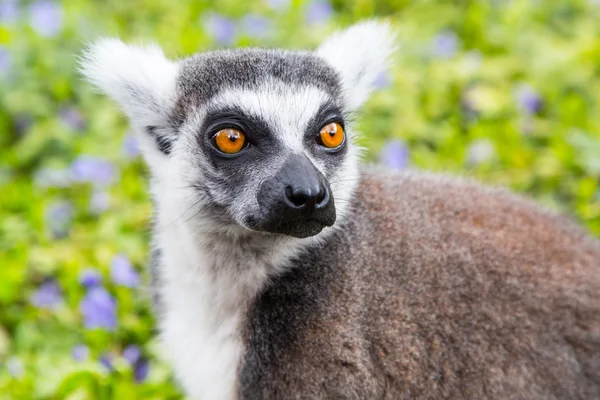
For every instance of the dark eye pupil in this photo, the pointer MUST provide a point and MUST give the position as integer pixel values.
(232, 138)
(332, 133)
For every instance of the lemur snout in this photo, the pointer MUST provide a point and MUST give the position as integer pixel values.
(296, 201)
(307, 195)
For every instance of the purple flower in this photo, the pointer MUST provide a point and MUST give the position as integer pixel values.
(15, 367)
(445, 44)
(99, 202)
(122, 272)
(141, 370)
(5, 61)
(47, 296)
(131, 147)
(382, 80)
(257, 26)
(318, 12)
(480, 151)
(9, 11)
(52, 177)
(99, 309)
(528, 99)
(46, 17)
(93, 170)
(59, 216)
(278, 5)
(132, 354)
(106, 361)
(90, 277)
(80, 352)
(395, 155)
(222, 29)
(72, 118)
(23, 123)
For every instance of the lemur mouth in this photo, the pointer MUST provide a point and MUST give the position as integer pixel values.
(299, 228)
(302, 229)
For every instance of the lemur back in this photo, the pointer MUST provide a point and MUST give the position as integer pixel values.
(282, 270)
(435, 289)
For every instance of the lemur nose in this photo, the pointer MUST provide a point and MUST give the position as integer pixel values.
(306, 197)
(296, 200)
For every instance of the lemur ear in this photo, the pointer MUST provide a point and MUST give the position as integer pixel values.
(360, 54)
(142, 80)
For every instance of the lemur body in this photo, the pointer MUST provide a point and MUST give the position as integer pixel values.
(464, 294)
(282, 270)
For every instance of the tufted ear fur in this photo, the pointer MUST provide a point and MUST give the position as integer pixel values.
(360, 54)
(142, 81)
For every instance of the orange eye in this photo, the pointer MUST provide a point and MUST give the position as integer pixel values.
(230, 141)
(332, 135)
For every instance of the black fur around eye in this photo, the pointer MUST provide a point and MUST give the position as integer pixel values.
(255, 129)
(327, 129)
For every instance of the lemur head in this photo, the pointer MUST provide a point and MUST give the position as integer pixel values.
(254, 139)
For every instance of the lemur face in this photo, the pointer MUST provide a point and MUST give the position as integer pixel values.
(267, 136)
(256, 140)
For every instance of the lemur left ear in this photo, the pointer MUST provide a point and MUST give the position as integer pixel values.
(142, 80)
(360, 54)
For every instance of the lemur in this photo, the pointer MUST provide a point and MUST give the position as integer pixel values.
(282, 269)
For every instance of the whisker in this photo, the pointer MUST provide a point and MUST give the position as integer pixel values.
(182, 214)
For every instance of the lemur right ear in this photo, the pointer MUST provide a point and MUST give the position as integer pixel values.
(359, 54)
(142, 80)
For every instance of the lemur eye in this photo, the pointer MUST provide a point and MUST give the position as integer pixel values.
(230, 141)
(332, 135)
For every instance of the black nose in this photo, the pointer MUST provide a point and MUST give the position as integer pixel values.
(307, 197)
(296, 200)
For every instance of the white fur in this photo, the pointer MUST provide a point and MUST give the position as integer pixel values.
(207, 282)
(288, 118)
(198, 329)
(359, 53)
(140, 79)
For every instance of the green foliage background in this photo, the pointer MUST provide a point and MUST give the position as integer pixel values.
(445, 109)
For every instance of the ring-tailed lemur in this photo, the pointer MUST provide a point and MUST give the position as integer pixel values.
(284, 271)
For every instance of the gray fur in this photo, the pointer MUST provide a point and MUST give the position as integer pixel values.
(206, 74)
(434, 289)
(154, 265)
